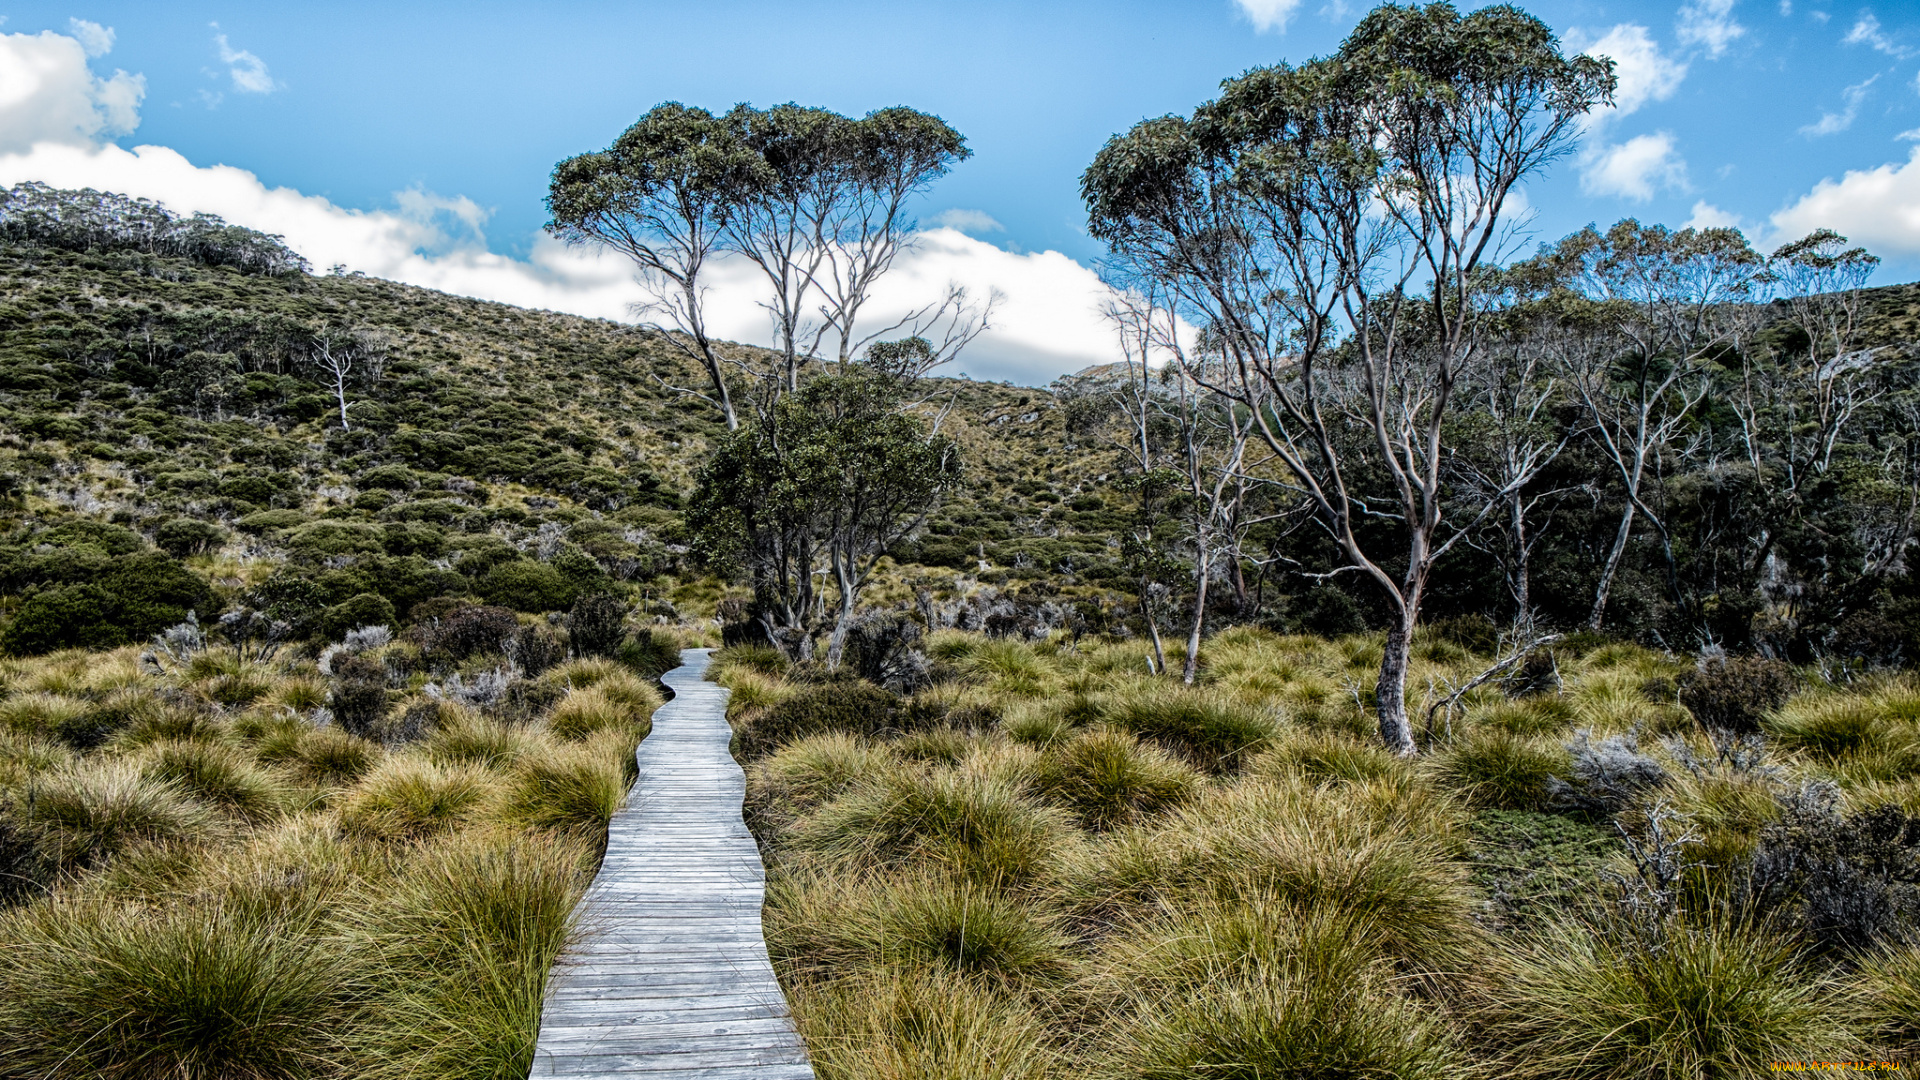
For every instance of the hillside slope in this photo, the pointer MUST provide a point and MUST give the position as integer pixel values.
(151, 401)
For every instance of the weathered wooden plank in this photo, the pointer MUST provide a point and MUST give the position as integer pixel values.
(669, 977)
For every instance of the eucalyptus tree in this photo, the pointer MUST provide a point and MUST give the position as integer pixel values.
(343, 358)
(1327, 224)
(663, 195)
(826, 219)
(1651, 309)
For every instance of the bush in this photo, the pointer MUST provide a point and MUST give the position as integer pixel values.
(1846, 882)
(465, 631)
(361, 609)
(597, 624)
(1582, 1002)
(1605, 777)
(1108, 779)
(1735, 694)
(846, 706)
(181, 537)
(358, 698)
(139, 596)
(175, 991)
(525, 585)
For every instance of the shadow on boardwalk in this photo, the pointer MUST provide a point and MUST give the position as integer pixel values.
(670, 978)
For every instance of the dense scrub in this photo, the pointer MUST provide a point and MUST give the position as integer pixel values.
(1050, 863)
(218, 864)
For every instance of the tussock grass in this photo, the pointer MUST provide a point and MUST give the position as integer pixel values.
(1211, 730)
(80, 817)
(832, 926)
(459, 947)
(569, 787)
(224, 776)
(1107, 778)
(929, 1025)
(408, 798)
(1710, 1000)
(129, 992)
(1497, 768)
(583, 714)
(974, 826)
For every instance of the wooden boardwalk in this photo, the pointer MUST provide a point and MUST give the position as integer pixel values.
(670, 979)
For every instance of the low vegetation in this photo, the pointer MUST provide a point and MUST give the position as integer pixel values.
(1048, 862)
(205, 874)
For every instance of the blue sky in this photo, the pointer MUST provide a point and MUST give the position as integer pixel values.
(439, 123)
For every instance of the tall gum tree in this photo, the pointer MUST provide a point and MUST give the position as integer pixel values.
(1328, 225)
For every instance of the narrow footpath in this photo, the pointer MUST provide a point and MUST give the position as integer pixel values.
(670, 978)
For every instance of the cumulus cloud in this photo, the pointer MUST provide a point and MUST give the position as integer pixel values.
(48, 94)
(1708, 216)
(1644, 72)
(53, 113)
(1878, 208)
(1708, 24)
(1867, 32)
(97, 40)
(248, 72)
(971, 222)
(1268, 14)
(1635, 169)
(1831, 123)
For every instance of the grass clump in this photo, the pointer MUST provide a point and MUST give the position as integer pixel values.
(408, 798)
(1496, 768)
(184, 991)
(572, 787)
(84, 815)
(923, 1025)
(1107, 778)
(225, 776)
(978, 827)
(1592, 1001)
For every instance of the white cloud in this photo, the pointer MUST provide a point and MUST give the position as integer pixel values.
(1878, 208)
(53, 111)
(1867, 32)
(1644, 72)
(1708, 216)
(47, 93)
(97, 40)
(1634, 169)
(971, 222)
(1910, 135)
(249, 72)
(1268, 14)
(1708, 24)
(1832, 123)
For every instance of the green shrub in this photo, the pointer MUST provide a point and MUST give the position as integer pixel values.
(1711, 1001)
(846, 706)
(139, 596)
(525, 585)
(361, 609)
(1736, 694)
(1108, 779)
(181, 537)
(173, 991)
(597, 624)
